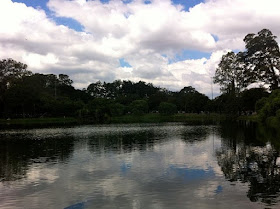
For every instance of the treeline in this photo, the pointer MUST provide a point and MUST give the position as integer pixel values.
(25, 94)
(28, 95)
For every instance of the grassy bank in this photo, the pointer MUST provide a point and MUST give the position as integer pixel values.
(147, 118)
(22, 122)
(158, 118)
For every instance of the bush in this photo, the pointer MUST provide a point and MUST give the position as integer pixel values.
(269, 107)
(117, 109)
(139, 107)
(166, 108)
(260, 104)
(278, 114)
(251, 96)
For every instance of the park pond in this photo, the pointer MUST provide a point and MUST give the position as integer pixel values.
(170, 165)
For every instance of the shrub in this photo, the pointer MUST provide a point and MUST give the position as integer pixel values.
(166, 108)
(139, 107)
(269, 107)
(117, 109)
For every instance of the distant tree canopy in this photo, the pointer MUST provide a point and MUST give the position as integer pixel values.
(190, 100)
(25, 94)
(10, 72)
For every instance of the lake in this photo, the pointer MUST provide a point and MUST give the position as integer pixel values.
(171, 165)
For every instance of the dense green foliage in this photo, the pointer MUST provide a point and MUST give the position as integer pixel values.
(139, 107)
(269, 107)
(166, 108)
(36, 95)
(190, 100)
(249, 97)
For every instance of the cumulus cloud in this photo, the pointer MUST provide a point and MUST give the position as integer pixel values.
(147, 36)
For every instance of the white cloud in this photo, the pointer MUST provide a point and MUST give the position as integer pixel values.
(37, 60)
(140, 33)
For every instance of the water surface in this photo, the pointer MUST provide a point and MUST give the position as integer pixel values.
(139, 166)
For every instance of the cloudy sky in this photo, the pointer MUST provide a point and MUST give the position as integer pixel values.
(170, 43)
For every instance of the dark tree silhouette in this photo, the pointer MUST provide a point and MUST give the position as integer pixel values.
(262, 58)
(230, 73)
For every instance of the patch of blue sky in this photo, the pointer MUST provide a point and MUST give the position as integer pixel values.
(124, 63)
(35, 4)
(42, 4)
(187, 3)
(69, 22)
(216, 38)
(105, 1)
(236, 50)
(127, 1)
(189, 54)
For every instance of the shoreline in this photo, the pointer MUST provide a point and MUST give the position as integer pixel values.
(146, 118)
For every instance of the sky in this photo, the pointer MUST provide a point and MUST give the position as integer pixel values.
(170, 43)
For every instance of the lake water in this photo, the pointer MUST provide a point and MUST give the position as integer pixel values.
(171, 165)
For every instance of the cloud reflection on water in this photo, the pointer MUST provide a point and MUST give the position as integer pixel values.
(127, 166)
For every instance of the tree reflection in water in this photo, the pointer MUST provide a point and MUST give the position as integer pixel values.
(125, 142)
(18, 153)
(193, 134)
(255, 163)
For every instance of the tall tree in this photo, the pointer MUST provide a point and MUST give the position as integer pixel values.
(230, 73)
(262, 58)
(64, 80)
(10, 72)
(97, 90)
